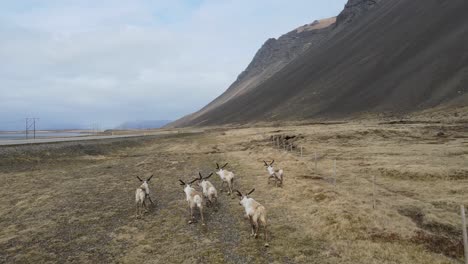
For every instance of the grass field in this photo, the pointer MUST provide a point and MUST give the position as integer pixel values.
(76, 204)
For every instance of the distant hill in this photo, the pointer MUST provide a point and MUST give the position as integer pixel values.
(143, 124)
(376, 56)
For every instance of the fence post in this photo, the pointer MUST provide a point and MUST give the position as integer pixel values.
(465, 240)
(316, 161)
(373, 191)
(334, 172)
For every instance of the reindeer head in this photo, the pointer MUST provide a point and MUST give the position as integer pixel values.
(202, 179)
(219, 169)
(269, 166)
(144, 183)
(244, 198)
(187, 185)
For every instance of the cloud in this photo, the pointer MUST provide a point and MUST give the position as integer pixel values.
(113, 61)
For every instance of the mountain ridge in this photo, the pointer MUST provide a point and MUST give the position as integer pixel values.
(384, 60)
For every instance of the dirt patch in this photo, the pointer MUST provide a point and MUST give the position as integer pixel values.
(437, 237)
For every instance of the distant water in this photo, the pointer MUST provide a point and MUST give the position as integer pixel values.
(40, 135)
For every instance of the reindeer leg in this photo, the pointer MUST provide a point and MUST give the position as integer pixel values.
(252, 226)
(270, 178)
(230, 184)
(149, 198)
(266, 238)
(229, 188)
(191, 216)
(136, 211)
(257, 225)
(191, 213)
(201, 214)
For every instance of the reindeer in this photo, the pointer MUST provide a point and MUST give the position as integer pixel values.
(194, 199)
(255, 212)
(209, 191)
(276, 175)
(141, 194)
(226, 176)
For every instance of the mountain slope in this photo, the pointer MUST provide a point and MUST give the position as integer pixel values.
(269, 59)
(143, 124)
(388, 55)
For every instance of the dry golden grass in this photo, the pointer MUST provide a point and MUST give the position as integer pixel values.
(79, 208)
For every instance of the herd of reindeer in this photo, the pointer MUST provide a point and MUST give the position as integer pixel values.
(254, 211)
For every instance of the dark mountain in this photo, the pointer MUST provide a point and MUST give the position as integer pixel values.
(396, 56)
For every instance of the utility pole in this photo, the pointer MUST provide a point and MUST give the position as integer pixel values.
(26, 128)
(29, 125)
(34, 124)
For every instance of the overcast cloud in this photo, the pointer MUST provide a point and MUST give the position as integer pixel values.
(110, 61)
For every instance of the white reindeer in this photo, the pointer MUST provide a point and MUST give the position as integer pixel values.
(226, 176)
(141, 194)
(276, 175)
(194, 199)
(209, 191)
(256, 214)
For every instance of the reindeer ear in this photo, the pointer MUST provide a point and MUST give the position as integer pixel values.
(150, 177)
(139, 178)
(182, 182)
(224, 166)
(208, 176)
(251, 191)
(239, 193)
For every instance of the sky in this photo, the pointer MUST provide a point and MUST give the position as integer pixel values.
(74, 63)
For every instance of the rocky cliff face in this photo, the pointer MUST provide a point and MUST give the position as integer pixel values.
(269, 59)
(288, 47)
(355, 8)
(378, 56)
(275, 54)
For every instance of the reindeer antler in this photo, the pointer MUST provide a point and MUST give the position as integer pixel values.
(266, 164)
(217, 166)
(208, 176)
(150, 177)
(251, 191)
(239, 193)
(196, 179)
(272, 162)
(224, 166)
(182, 182)
(139, 178)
